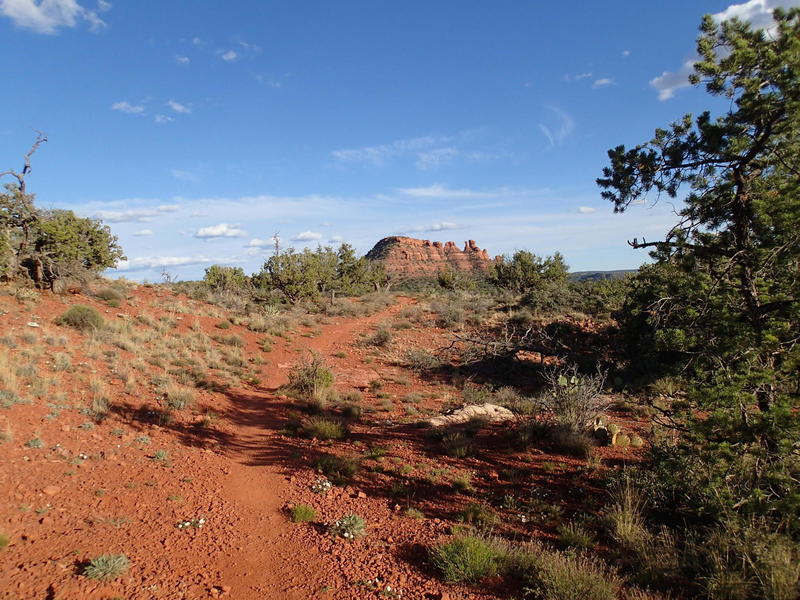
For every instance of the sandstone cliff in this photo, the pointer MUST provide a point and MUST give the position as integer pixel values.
(410, 257)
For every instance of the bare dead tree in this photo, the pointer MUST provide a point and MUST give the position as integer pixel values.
(41, 138)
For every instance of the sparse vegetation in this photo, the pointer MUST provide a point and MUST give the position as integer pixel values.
(82, 318)
(302, 513)
(106, 566)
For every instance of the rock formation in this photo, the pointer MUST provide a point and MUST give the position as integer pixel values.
(410, 257)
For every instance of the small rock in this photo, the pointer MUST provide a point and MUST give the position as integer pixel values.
(361, 495)
(51, 490)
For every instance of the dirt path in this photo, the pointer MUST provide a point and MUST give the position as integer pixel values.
(271, 561)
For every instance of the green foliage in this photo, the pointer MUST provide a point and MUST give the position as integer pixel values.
(311, 273)
(310, 378)
(541, 280)
(106, 566)
(82, 318)
(66, 245)
(721, 303)
(324, 429)
(455, 279)
(340, 470)
(466, 559)
(348, 527)
(302, 513)
(228, 279)
(5, 541)
(574, 535)
(552, 575)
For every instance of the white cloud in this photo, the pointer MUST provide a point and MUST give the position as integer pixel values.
(578, 77)
(250, 47)
(565, 126)
(263, 244)
(127, 107)
(47, 16)
(163, 119)
(443, 226)
(603, 82)
(223, 230)
(437, 191)
(668, 83)
(336, 239)
(155, 262)
(586, 210)
(229, 56)
(626, 53)
(197, 41)
(182, 60)
(427, 152)
(757, 12)
(136, 215)
(143, 232)
(178, 107)
(307, 236)
(184, 175)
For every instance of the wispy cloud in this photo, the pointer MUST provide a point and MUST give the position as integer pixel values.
(578, 77)
(443, 226)
(223, 230)
(586, 210)
(626, 53)
(178, 107)
(182, 60)
(307, 236)
(428, 152)
(161, 119)
(156, 262)
(756, 12)
(136, 215)
(558, 132)
(229, 56)
(127, 107)
(48, 16)
(184, 175)
(437, 191)
(143, 233)
(262, 244)
(604, 81)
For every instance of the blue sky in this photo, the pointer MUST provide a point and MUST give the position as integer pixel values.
(199, 129)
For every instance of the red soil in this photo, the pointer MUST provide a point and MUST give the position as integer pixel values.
(97, 490)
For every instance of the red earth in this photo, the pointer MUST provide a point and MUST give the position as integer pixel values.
(76, 487)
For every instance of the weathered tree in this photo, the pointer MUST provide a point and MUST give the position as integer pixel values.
(46, 246)
(721, 303)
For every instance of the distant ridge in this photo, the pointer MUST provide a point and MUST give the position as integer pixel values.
(601, 275)
(407, 257)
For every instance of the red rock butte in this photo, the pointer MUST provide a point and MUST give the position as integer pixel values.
(409, 257)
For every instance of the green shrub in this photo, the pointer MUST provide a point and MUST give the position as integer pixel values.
(574, 535)
(34, 443)
(310, 378)
(349, 527)
(382, 337)
(178, 397)
(478, 514)
(340, 470)
(553, 575)
(302, 513)
(414, 513)
(106, 566)
(82, 318)
(466, 559)
(422, 360)
(109, 295)
(324, 429)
